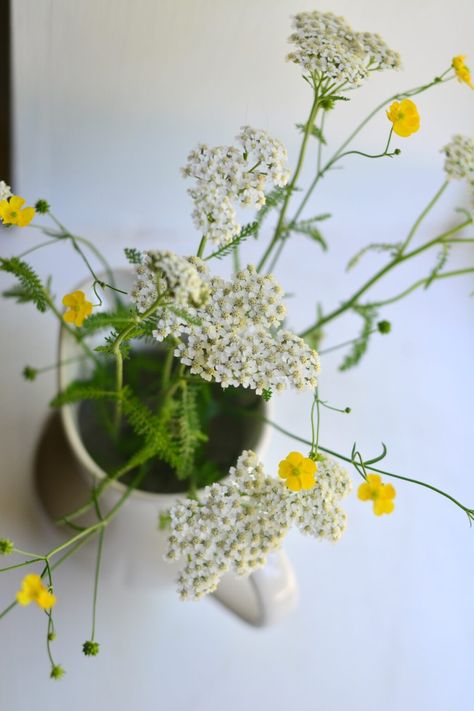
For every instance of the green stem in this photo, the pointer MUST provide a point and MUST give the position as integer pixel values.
(291, 186)
(104, 522)
(466, 510)
(388, 267)
(96, 580)
(202, 246)
(395, 97)
(422, 282)
(138, 318)
(342, 345)
(20, 565)
(422, 216)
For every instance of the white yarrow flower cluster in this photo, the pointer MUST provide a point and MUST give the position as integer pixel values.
(241, 520)
(231, 338)
(5, 191)
(459, 162)
(165, 272)
(326, 45)
(226, 177)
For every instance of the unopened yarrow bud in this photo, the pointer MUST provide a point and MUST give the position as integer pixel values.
(90, 648)
(384, 327)
(404, 117)
(298, 471)
(51, 636)
(6, 546)
(462, 72)
(12, 212)
(382, 495)
(57, 672)
(78, 308)
(29, 373)
(34, 590)
(42, 206)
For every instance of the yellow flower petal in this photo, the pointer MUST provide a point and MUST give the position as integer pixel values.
(284, 469)
(388, 492)
(295, 458)
(307, 480)
(45, 599)
(294, 483)
(383, 506)
(25, 216)
(16, 202)
(69, 316)
(374, 481)
(23, 598)
(308, 466)
(364, 492)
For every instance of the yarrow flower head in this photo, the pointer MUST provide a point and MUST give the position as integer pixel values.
(327, 46)
(12, 211)
(462, 72)
(78, 308)
(5, 191)
(239, 521)
(34, 590)
(459, 162)
(163, 272)
(380, 494)
(298, 471)
(226, 177)
(404, 117)
(230, 339)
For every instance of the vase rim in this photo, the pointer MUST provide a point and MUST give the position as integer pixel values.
(72, 432)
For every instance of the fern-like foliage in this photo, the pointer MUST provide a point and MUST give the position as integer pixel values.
(274, 198)
(29, 288)
(392, 247)
(106, 319)
(134, 256)
(247, 231)
(308, 228)
(80, 390)
(359, 348)
(313, 131)
(188, 434)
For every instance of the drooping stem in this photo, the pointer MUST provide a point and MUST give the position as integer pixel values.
(349, 460)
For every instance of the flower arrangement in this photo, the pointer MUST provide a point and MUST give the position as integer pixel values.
(222, 346)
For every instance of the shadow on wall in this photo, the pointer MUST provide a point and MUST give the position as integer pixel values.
(5, 103)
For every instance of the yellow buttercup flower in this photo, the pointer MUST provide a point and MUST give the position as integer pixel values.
(12, 212)
(462, 72)
(298, 471)
(34, 590)
(79, 308)
(381, 494)
(404, 117)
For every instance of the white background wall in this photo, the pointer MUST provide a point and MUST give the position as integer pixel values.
(109, 98)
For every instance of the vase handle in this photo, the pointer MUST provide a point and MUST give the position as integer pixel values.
(265, 596)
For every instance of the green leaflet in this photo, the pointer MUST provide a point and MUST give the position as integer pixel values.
(30, 287)
(369, 315)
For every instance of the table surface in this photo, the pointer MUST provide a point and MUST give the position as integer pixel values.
(385, 619)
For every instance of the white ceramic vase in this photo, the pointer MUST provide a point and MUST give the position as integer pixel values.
(138, 545)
